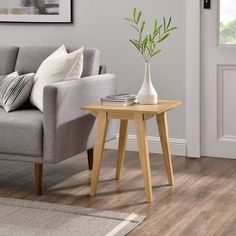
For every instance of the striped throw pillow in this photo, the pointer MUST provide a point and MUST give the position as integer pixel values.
(15, 90)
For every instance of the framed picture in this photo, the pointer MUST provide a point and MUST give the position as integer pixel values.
(36, 11)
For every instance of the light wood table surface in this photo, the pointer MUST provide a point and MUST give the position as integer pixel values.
(139, 114)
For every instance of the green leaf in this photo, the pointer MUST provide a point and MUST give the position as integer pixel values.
(155, 34)
(145, 41)
(135, 44)
(156, 52)
(153, 44)
(171, 29)
(164, 37)
(157, 31)
(150, 43)
(129, 20)
(136, 41)
(142, 27)
(139, 17)
(150, 40)
(155, 26)
(149, 51)
(164, 22)
(169, 22)
(133, 26)
(135, 14)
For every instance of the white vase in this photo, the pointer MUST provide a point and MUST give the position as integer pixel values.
(147, 94)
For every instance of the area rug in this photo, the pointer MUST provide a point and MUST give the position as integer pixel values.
(28, 218)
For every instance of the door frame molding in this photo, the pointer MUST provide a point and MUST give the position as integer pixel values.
(193, 75)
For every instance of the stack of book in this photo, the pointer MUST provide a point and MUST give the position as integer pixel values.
(123, 99)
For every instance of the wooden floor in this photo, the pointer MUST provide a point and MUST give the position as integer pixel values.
(202, 202)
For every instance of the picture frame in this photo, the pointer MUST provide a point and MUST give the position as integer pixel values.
(36, 11)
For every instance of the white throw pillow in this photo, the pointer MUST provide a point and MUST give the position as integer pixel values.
(57, 67)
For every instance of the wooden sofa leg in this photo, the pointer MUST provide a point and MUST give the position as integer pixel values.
(90, 158)
(38, 169)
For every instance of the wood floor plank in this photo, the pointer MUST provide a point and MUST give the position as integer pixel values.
(202, 202)
(229, 226)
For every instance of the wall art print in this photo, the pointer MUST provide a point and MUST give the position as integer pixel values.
(36, 11)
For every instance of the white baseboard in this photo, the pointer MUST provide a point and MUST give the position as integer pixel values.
(178, 146)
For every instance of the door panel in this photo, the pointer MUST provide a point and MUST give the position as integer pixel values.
(226, 95)
(218, 80)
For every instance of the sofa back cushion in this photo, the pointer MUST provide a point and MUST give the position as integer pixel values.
(30, 58)
(8, 57)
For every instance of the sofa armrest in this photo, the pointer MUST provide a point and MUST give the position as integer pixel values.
(66, 126)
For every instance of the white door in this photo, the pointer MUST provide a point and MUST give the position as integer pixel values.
(218, 79)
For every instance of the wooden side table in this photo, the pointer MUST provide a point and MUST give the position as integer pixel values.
(138, 113)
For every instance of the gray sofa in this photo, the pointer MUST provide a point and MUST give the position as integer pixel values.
(62, 130)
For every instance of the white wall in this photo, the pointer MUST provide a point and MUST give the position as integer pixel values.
(100, 24)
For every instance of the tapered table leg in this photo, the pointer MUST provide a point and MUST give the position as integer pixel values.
(122, 146)
(144, 153)
(38, 168)
(102, 122)
(164, 137)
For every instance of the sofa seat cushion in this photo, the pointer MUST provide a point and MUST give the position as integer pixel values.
(21, 132)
